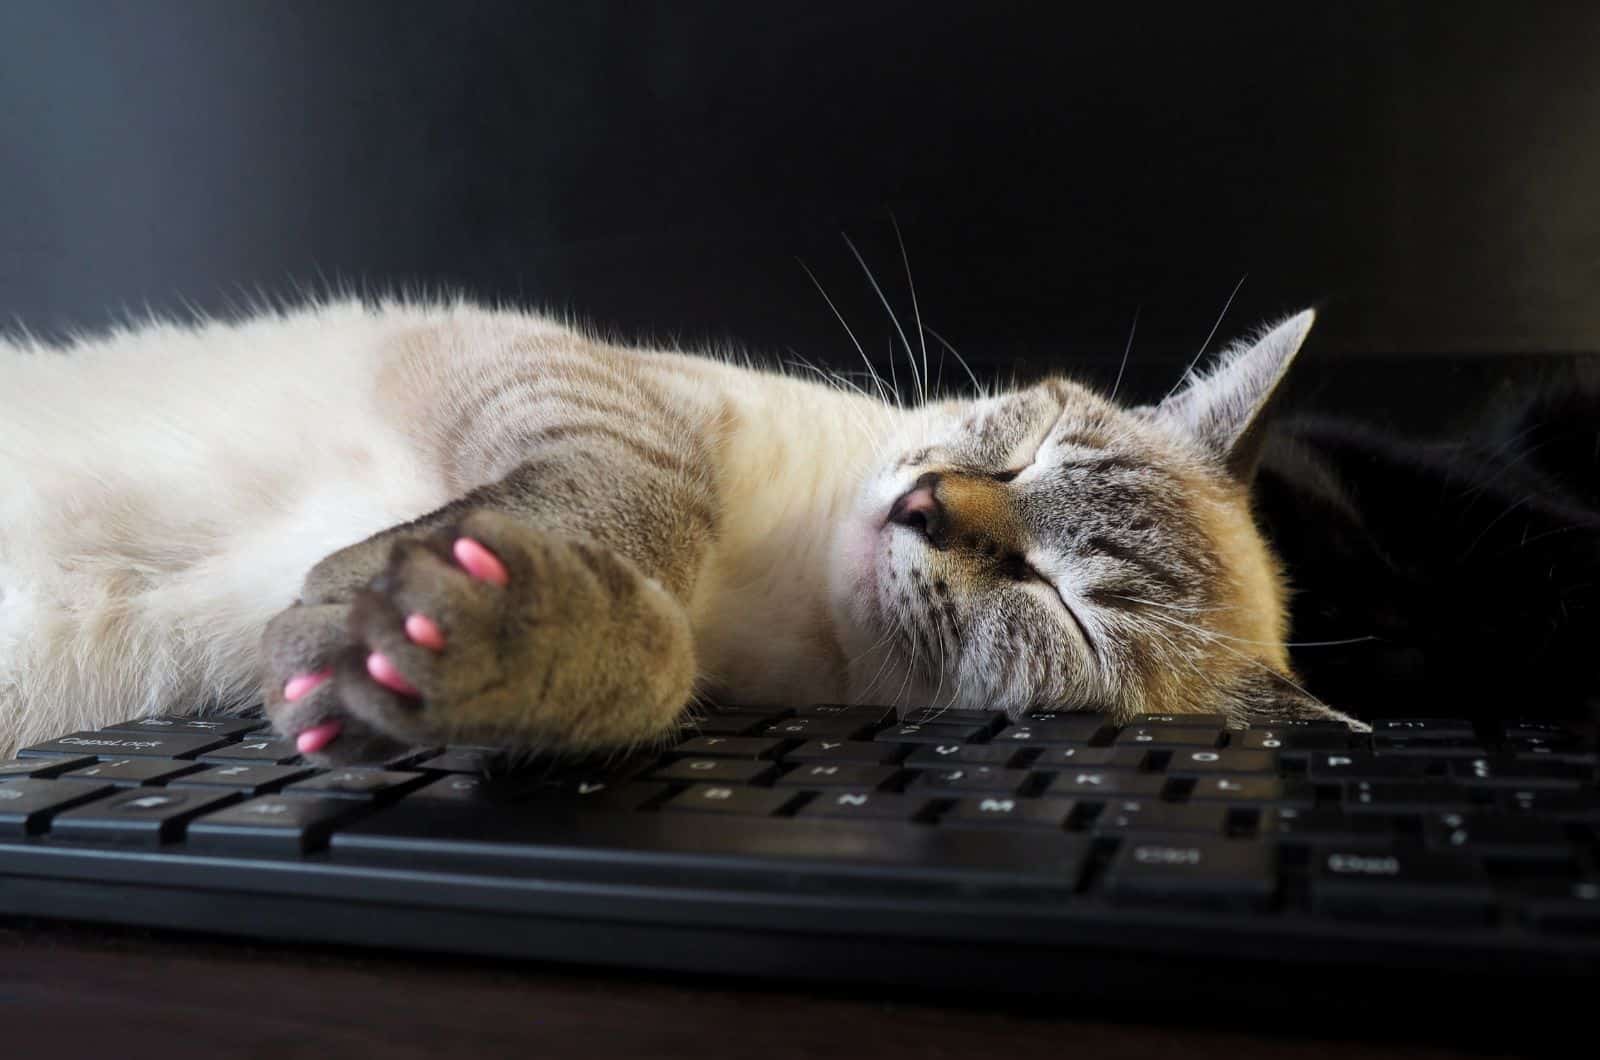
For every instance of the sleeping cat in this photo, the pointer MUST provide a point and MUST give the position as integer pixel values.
(519, 535)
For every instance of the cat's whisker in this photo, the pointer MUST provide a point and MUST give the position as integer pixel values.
(883, 641)
(876, 378)
(915, 310)
(911, 359)
(1126, 350)
(1189, 371)
(1246, 640)
(977, 387)
(1216, 641)
(832, 378)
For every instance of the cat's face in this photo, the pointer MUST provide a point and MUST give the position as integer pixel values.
(1046, 548)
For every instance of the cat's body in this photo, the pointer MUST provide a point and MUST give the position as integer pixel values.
(672, 526)
(176, 485)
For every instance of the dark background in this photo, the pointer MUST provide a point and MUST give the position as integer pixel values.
(1426, 173)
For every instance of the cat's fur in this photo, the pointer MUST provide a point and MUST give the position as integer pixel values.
(673, 527)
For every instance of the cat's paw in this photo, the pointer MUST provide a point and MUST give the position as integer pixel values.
(444, 645)
(303, 647)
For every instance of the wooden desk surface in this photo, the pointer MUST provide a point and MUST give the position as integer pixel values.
(72, 991)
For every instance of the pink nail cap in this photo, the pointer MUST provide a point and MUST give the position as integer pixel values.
(317, 737)
(301, 685)
(384, 671)
(480, 562)
(424, 632)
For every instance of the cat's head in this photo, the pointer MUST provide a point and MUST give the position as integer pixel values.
(1047, 548)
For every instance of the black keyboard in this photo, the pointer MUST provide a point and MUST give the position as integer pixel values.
(843, 842)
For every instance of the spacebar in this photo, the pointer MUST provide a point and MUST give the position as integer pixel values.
(783, 852)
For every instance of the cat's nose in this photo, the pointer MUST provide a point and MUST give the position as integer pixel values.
(921, 510)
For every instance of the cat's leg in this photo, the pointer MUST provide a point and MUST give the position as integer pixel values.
(520, 616)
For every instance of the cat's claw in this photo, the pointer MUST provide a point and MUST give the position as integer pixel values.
(383, 670)
(424, 632)
(480, 562)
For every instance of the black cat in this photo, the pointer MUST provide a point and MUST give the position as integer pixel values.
(1462, 574)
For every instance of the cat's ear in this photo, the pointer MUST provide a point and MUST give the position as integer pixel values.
(1225, 407)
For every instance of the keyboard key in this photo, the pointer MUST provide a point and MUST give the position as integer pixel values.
(458, 787)
(931, 734)
(963, 779)
(408, 758)
(1327, 768)
(269, 752)
(1089, 783)
(603, 795)
(1421, 748)
(126, 745)
(837, 775)
(1292, 824)
(946, 755)
(1182, 721)
(1308, 725)
(1067, 726)
(1577, 806)
(1424, 728)
(1220, 872)
(867, 715)
(357, 784)
(146, 816)
(191, 726)
(1564, 907)
(272, 824)
(730, 799)
(1065, 758)
(716, 770)
(864, 805)
(1251, 791)
(1297, 743)
(818, 728)
(1125, 816)
(1513, 773)
(843, 751)
(730, 747)
(1205, 763)
(934, 716)
(1534, 750)
(27, 804)
(1167, 737)
(132, 772)
(1552, 730)
(465, 760)
(1398, 883)
(1066, 729)
(1364, 795)
(513, 788)
(42, 767)
(1498, 836)
(1006, 812)
(729, 724)
(833, 856)
(247, 778)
